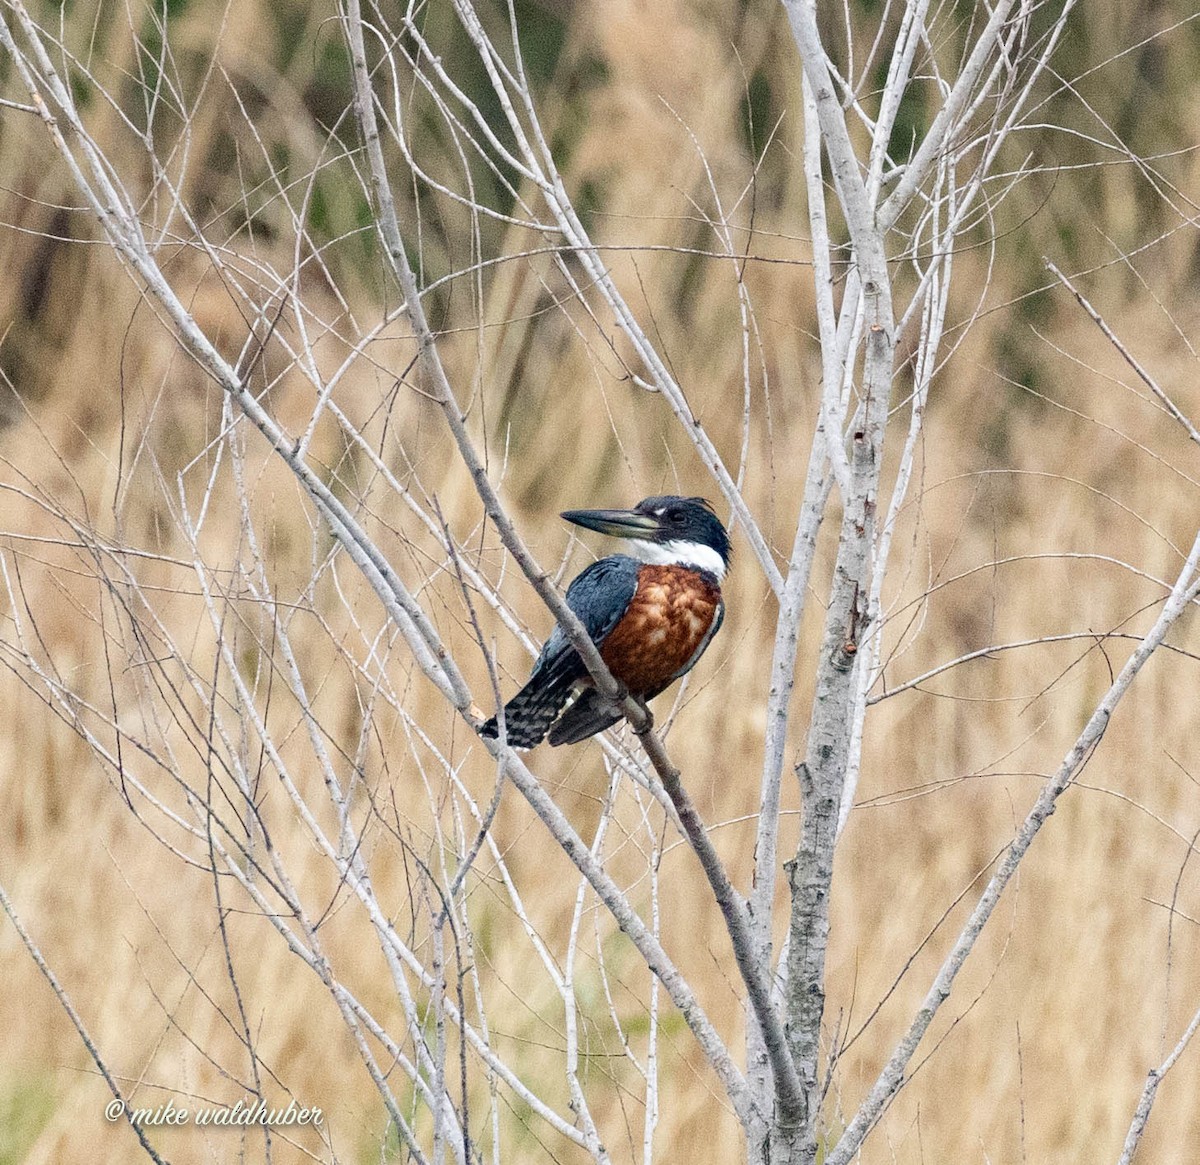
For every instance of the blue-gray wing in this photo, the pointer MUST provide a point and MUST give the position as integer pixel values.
(599, 596)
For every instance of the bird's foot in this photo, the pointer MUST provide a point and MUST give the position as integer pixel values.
(648, 724)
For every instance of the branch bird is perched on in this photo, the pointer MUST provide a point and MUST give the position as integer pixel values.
(651, 613)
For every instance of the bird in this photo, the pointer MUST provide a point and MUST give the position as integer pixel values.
(651, 612)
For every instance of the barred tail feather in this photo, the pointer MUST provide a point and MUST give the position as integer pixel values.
(529, 714)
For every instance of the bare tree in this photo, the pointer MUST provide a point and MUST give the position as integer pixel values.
(291, 659)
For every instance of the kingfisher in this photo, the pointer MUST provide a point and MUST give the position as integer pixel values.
(651, 612)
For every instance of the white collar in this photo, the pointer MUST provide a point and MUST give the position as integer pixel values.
(680, 553)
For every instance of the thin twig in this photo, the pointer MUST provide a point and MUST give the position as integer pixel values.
(119, 1103)
(1126, 355)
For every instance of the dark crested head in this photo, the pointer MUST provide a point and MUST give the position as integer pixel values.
(666, 529)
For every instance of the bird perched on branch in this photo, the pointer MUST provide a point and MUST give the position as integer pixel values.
(651, 613)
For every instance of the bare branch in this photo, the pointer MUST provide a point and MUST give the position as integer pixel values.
(1185, 590)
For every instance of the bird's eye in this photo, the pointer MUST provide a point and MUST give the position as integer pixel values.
(677, 517)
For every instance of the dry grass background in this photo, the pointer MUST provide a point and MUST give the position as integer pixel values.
(1040, 448)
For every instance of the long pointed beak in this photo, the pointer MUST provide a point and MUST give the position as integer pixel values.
(616, 523)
